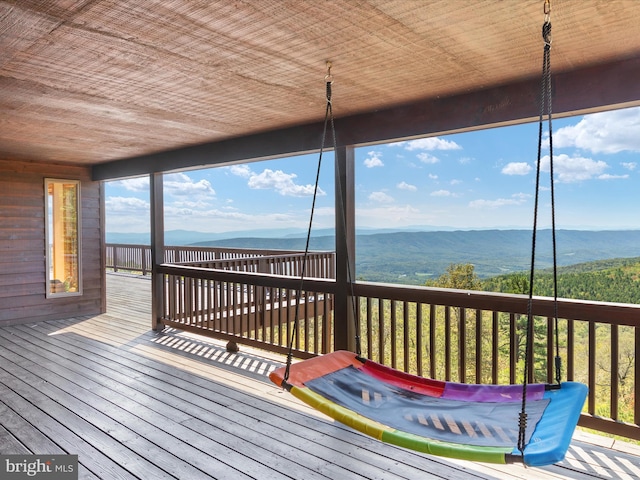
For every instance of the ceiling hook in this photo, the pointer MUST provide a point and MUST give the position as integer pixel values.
(328, 77)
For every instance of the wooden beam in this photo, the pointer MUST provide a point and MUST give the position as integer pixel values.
(586, 90)
(156, 193)
(344, 322)
(103, 257)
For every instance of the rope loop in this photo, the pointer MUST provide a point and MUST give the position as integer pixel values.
(522, 424)
(546, 33)
(328, 78)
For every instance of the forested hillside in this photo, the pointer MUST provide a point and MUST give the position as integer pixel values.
(613, 280)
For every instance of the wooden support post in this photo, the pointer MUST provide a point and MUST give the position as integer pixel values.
(157, 249)
(103, 250)
(343, 320)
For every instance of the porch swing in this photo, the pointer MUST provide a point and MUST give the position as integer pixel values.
(528, 423)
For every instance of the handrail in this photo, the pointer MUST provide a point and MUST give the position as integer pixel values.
(594, 311)
(137, 258)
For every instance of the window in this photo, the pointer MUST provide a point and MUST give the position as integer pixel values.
(63, 237)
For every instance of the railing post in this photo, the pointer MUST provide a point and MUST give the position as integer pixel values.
(343, 320)
(157, 249)
(143, 254)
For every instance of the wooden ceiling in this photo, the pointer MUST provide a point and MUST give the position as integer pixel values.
(94, 81)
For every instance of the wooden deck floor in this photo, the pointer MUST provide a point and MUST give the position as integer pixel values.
(136, 404)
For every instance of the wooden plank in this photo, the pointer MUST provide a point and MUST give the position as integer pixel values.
(26, 170)
(9, 443)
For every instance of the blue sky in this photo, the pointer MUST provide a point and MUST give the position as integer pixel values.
(481, 179)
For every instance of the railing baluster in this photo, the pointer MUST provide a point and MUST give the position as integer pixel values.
(447, 343)
(462, 348)
(419, 344)
(495, 342)
(406, 336)
(570, 351)
(479, 338)
(513, 348)
(381, 330)
(614, 372)
(369, 327)
(432, 341)
(592, 369)
(550, 350)
(392, 336)
(636, 376)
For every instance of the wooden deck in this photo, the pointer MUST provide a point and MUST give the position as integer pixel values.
(136, 404)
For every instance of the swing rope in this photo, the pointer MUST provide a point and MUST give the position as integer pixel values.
(328, 118)
(545, 106)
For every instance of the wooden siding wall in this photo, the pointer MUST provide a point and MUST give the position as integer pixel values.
(22, 244)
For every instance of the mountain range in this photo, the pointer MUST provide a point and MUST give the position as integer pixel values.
(412, 257)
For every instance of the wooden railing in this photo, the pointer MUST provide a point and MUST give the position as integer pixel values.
(137, 258)
(463, 336)
(128, 258)
(252, 308)
(455, 335)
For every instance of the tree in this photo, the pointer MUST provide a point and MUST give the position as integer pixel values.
(458, 275)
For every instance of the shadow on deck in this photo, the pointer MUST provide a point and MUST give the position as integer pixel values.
(133, 403)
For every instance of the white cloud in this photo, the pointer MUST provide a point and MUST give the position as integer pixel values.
(188, 203)
(441, 193)
(516, 199)
(277, 180)
(180, 184)
(139, 184)
(573, 169)
(241, 170)
(373, 160)
(119, 205)
(433, 176)
(380, 197)
(517, 168)
(455, 181)
(604, 132)
(282, 182)
(427, 158)
(629, 165)
(431, 143)
(607, 176)
(407, 186)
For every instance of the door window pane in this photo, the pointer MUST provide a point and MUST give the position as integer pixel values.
(63, 237)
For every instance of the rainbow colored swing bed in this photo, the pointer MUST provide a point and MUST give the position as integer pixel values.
(466, 421)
